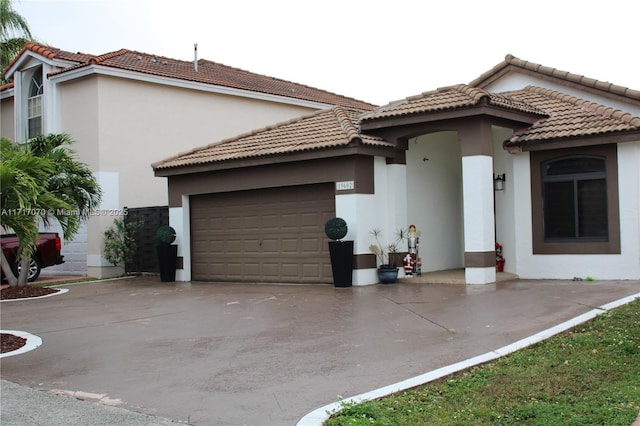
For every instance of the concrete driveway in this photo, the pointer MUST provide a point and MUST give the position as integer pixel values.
(235, 354)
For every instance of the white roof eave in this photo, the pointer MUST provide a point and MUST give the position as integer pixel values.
(186, 84)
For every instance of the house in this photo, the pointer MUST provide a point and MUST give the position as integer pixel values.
(564, 148)
(128, 109)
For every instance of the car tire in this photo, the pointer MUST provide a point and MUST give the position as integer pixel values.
(34, 269)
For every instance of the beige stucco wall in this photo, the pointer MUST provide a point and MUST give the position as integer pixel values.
(122, 126)
(7, 125)
(133, 124)
(79, 118)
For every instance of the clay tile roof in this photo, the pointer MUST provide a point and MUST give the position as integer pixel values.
(511, 62)
(568, 117)
(446, 98)
(216, 74)
(51, 53)
(329, 128)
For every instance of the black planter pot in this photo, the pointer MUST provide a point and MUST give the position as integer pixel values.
(387, 274)
(341, 253)
(167, 261)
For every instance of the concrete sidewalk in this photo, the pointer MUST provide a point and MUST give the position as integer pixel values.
(24, 406)
(233, 354)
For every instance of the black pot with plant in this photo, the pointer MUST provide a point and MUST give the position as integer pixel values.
(387, 271)
(167, 253)
(341, 252)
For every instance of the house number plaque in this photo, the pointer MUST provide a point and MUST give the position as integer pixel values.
(344, 185)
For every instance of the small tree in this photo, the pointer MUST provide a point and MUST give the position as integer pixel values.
(120, 242)
(41, 181)
(21, 196)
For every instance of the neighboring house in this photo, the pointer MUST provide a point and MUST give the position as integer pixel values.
(128, 109)
(252, 207)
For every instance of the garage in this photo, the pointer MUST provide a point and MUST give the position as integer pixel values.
(262, 235)
(252, 209)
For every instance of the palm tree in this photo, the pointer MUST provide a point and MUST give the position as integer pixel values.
(14, 33)
(72, 182)
(20, 176)
(69, 193)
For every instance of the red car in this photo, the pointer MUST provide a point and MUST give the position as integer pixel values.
(47, 253)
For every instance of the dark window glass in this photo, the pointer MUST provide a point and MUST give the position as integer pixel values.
(34, 104)
(575, 199)
(35, 88)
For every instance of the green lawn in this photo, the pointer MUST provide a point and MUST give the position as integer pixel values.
(589, 375)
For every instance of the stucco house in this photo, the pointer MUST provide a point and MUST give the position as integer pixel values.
(564, 148)
(127, 109)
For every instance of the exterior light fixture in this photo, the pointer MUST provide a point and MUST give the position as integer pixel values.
(498, 182)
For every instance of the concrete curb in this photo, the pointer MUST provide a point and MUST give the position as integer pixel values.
(33, 342)
(57, 293)
(319, 415)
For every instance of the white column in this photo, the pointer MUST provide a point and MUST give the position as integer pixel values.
(477, 190)
(179, 220)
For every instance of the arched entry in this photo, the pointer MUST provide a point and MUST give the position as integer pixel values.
(434, 198)
(471, 113)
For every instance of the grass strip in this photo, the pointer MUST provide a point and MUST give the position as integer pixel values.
(589, 375)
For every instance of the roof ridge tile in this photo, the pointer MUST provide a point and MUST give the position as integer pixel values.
(346, 123)
(511, 60)
(323, 129)
(109, 55)
(209, 73)
(593, 107)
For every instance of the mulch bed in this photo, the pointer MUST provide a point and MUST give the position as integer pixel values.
(24, 292)
(10, 342)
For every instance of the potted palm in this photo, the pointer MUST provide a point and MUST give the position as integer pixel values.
(341, 252)
(167, 253)
(387, 272)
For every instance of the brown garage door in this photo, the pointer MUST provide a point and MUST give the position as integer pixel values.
(266, 235)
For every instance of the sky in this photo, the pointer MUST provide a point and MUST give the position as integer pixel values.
(372, 50)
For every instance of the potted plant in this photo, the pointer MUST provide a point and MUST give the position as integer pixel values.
(499, 258)
(387, 272)
(167, 253)
(341, 252)
(396, 255)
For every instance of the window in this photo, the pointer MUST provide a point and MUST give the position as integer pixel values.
(575, 200)
(34, 104)
(574, 197)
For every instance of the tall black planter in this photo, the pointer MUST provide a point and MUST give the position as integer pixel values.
(167, 260)
(341, 253)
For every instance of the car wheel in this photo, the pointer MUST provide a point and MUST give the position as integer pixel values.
(34, 269)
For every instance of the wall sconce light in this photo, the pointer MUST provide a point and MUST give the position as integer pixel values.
(498, 182)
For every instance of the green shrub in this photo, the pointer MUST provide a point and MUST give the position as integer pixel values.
(336, 228)
(119, 242)
(165, 234)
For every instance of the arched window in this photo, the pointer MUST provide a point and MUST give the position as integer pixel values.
(574, 191)
(34, 104)
(574, 200)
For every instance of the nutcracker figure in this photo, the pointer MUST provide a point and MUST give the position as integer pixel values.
(413, 238)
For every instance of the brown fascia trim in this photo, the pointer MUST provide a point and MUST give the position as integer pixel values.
(574, 142)
(388, 152)
(398, 133)
(480, 259)
(509, 117)
(357, 168)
